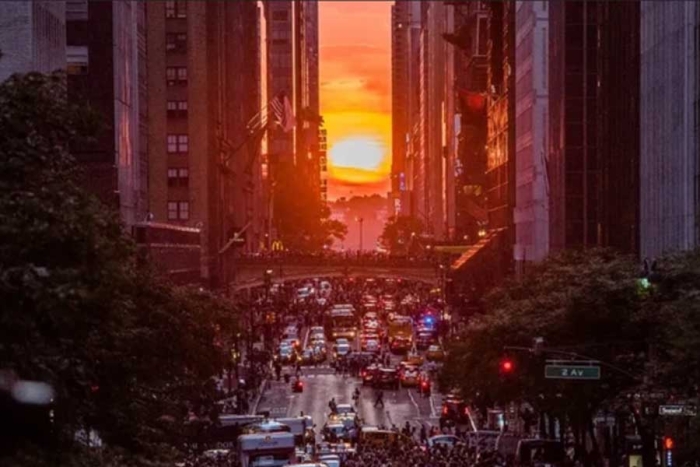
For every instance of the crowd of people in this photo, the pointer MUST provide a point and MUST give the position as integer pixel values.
(418, 455)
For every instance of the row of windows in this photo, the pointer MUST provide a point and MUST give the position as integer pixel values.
(176, 42)
(175, 9)
(178, 210)
(178, 144)
(176, 75)
(178, 177)
(177, 109)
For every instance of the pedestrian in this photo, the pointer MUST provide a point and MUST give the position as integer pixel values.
(380, 399)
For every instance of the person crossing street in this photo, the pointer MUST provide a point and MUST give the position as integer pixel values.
(379, 399)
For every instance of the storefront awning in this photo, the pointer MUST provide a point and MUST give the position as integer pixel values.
(476, 248)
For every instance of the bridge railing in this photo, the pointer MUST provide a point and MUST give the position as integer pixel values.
(338, 260)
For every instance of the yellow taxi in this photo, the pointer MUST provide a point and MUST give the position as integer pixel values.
(435, 353)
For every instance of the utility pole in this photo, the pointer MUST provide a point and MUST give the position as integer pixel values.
(361, 221)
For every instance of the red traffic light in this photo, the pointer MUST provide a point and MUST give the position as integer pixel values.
(507, 366)
(668, 443)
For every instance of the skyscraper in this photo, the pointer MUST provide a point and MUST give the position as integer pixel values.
(531, 214)
(204, 87)
(669, 165)
(400, 95)
(106, 62)
(32, 36)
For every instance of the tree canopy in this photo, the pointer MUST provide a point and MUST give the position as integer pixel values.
(128, 355)
(401, 233)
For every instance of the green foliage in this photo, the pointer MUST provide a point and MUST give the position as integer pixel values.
(400, 234)
(580, 302)
(127, 354)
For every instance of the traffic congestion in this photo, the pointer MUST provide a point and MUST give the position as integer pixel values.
(352, 381)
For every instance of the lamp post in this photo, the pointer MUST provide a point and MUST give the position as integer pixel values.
(361, 221)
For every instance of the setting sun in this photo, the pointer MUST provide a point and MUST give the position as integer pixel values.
(359, 153)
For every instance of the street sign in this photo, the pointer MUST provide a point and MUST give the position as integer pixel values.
(682, 410)
(572, 372)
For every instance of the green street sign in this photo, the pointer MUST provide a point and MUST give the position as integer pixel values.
(571, 372)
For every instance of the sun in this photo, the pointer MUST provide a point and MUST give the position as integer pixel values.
(358, 152)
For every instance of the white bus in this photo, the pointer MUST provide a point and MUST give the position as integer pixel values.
(266, 449)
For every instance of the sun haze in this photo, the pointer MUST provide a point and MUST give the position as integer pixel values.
(355, 49)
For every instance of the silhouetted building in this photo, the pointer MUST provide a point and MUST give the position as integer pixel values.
(106, 63)
(204, 87)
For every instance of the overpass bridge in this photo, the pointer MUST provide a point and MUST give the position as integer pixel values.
(250, 271)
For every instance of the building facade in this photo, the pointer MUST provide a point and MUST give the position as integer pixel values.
(106, 63)
(670, 115)
(531, 214)
(204, 83)
(400, 95)
(32, 37)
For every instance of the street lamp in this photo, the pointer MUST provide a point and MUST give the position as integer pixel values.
(361, 221)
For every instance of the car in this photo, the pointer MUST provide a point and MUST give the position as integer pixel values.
(400, 345)
(287, 354)
(341, 350)
(424, 385)
(410, 376)
(369, 374)
(330, 460)
(308, 356)
(414, 359)
(342, 340)
(443, 440)
(345, 409)
(317, 330)
(424, 340)
(337, 431)
(298, 386)
(435, 353)
(372, 345)
(387, 378)
(454, 411)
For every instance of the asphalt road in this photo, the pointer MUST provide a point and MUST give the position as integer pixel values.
(321, 384)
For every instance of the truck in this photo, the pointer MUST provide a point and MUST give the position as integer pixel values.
(267, 449)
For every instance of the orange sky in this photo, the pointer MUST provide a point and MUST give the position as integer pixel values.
(355, 68)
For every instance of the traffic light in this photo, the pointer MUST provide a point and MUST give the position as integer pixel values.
(507, 366)
(668, 443)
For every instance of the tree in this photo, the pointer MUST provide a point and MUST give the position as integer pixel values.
(127, 354)
(400, 235)
(579, 301)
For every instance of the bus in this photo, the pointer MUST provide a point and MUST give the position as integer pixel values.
(267, 449)
(401, 327)
(203, 435)
(343, 323)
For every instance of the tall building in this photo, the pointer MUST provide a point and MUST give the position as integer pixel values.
(669, 114)
(471, 37)
(594, 125)
(400, 85)
(411, 197)
(204, 87)
(574, 169)
(106, 63)
(32, 37)
(531, 215)
(295, 156)
(500, 153)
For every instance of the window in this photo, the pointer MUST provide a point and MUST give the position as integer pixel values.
(176, 75)
(183, 143)
(178, 177)
(176, 42)
(77, 10)
(77, 59)
(178, 210)
(172, 143)
(178, 143)
(172, 210)
(175, 9)
(177, 109)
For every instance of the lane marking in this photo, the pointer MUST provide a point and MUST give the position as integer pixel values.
(413, 400)
(433, 412)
